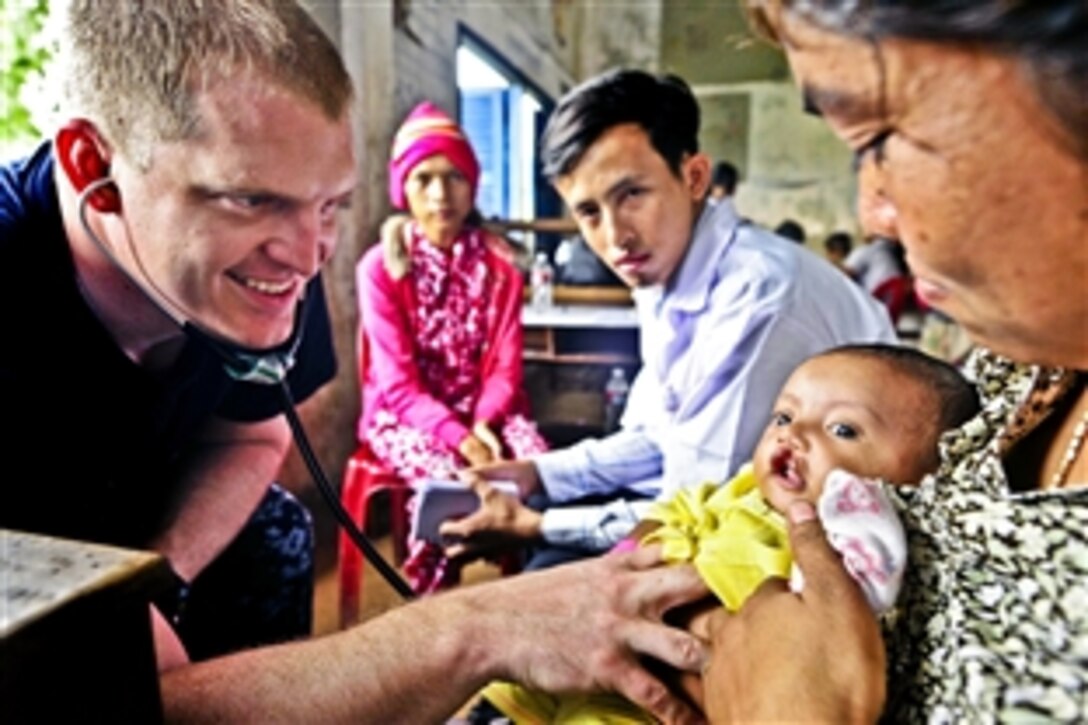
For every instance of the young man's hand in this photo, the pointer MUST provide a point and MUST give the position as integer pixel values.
(500, 521)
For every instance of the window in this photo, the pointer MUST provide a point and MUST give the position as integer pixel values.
(503, 118)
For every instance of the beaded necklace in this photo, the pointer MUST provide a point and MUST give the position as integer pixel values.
(1072, 450)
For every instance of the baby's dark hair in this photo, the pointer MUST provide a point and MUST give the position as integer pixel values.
(957, 401)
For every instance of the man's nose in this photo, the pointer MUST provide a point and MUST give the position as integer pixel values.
(313, 240)
(617, 234)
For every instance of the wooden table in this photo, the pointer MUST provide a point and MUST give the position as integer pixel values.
(580, 334)
(75, 631)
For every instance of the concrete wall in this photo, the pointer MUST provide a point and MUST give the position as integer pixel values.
(794, 167)
(791, 166)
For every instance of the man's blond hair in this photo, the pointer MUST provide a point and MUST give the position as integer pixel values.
(135, 67)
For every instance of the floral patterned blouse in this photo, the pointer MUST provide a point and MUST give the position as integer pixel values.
(992, 624)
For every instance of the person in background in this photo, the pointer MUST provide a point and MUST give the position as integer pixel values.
(875, 262)
(723, 183)
(792, 230)
(440, 311)
(836, 247)
(182, 214)
(969, 125)
(726, 311)
(844, 416)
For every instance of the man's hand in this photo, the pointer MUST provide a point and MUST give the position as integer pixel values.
(816, 655)
(587, 626)
(474, 450)
(500, 520)
(521, 472)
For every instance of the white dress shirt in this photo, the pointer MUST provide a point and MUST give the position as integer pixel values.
(717, 343)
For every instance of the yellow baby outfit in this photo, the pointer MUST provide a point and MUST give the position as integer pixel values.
(734, 539)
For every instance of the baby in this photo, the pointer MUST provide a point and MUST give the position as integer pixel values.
(846, 416)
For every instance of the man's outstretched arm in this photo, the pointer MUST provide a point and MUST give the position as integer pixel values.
(574, 628)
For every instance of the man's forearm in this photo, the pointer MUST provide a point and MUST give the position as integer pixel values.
(582, 627)
(413, 664)
(601, 466)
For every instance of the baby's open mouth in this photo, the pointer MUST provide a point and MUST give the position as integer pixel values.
(784, 466)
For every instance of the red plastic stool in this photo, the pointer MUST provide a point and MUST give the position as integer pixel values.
(364, 477)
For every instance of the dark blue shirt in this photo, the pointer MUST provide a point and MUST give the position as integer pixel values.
(99, 437)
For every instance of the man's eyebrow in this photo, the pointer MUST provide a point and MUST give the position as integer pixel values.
(625, 182)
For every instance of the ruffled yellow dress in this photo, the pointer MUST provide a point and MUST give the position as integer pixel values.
(734, 539)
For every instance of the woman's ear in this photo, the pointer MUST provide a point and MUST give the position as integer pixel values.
(696, 171)
(83, 157)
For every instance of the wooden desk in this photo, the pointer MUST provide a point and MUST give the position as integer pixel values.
(75, 631)
(568, 351)
(580, 334)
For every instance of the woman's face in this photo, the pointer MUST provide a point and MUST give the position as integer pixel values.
(439, 198)
(960, 161)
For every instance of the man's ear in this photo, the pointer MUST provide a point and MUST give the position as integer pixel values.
(84, 159)
(696, 168)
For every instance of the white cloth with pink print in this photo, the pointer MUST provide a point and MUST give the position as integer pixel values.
(862, 526)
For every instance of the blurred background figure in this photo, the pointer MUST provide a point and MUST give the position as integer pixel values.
(876, 262)
(723, 183)
(440, 314)
(880, 267)
(836, 248)
(792, 230)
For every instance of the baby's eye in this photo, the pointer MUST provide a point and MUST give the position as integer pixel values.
(843, 430)
(780, 419)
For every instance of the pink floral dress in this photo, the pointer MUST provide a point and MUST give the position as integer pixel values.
(453, 290)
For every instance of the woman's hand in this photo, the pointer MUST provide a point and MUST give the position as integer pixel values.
(816, 655)
(474, 450)
(482, 431)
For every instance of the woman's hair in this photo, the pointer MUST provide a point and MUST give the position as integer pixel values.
(663, 106)
(135, 68)
(1049, 36)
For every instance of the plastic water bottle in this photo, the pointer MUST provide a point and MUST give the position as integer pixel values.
(542, 281)
(615, 399)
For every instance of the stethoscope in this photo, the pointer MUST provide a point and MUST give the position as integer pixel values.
(262, 366)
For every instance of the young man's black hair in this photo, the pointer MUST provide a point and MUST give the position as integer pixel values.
(662, 105)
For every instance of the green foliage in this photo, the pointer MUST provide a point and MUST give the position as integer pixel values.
(24, 54)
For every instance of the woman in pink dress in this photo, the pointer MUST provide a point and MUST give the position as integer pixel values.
(440, 311)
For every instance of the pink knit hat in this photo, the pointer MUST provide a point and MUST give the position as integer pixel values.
(428, 131)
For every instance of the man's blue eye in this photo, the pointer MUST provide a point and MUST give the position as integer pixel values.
(254, 201)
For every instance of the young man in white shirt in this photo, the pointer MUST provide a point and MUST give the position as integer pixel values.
(726, 311)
